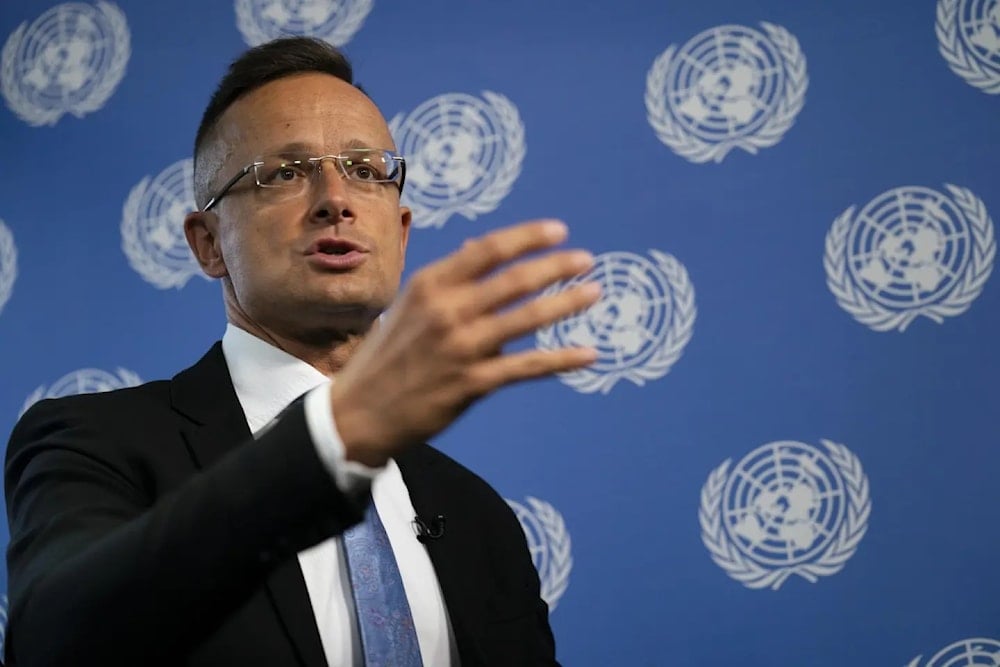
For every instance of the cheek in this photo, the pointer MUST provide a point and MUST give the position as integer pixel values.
(392, 236)
(248, 251)
(393, 254)
(261, 237)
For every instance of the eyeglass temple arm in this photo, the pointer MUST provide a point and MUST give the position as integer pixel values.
(225, 188)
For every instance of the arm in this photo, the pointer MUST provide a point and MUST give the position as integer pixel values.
(100, 572)
(100, 575)
(539, 648)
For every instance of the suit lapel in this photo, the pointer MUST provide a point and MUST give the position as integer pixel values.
(287, 590)
(459, 576)
(204, 394)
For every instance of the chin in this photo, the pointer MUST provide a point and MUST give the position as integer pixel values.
(345, 303)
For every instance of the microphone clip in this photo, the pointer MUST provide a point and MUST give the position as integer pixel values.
(428, 530)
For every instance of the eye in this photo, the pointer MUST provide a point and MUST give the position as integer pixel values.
(284, 173)
(364, 171)
(287, 173)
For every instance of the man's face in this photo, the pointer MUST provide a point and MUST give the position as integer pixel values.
(275, 250)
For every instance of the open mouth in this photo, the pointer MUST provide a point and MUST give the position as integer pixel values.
(334, 247)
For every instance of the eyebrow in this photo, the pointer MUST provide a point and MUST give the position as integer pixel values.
(298, 147)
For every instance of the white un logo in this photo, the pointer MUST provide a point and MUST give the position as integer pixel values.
(70, 60)
(728, 87)
(911, 251)
(83, 381)
(786, 508)
(8, 264)
(334, 21)
(968, 33)
(640, 325)
(965, 653)
(463, 155)
(153, 226)
(549, 544)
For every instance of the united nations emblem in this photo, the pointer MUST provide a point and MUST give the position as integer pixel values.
(463, 155)
(728, 87)
(153, 226)
(786, 508)
(334, 21)
(911, 251)
(965, 653)
(968, 33)
(83, 381)
(8, 264)
(69, 60)
(640, 325)
(549, 544)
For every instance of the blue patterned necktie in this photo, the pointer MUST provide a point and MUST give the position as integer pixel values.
(388, 637)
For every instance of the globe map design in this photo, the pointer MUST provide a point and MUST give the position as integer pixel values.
(979, 29)
(62, 55)
(295, 16)
(908, 247)
(627, 325)
(164, 204)
(783, 503)
(452, 144)
(725, 82)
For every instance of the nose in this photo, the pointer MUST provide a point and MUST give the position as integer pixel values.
(331, 201)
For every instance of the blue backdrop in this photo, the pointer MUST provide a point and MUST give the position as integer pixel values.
(787, 453)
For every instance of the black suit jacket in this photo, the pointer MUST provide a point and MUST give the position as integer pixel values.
(148, 527)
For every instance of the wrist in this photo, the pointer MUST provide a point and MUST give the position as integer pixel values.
(358, 431)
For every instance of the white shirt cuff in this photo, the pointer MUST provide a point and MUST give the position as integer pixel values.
(354, 479)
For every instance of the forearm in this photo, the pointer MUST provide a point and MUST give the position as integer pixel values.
(106, 582)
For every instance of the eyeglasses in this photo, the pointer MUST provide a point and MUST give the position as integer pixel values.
(287, 175)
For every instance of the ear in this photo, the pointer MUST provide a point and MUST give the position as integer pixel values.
(405, 218)
(201, 228)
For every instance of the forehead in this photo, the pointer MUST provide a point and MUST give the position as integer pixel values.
(318, 110)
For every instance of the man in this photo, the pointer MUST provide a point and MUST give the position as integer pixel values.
(180, 523)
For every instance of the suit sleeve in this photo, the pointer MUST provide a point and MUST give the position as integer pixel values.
(100, 574)
(541, 648)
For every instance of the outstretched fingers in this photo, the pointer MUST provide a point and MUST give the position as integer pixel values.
(530, 276)
(496, 372)
(490, 333)
(479, 256)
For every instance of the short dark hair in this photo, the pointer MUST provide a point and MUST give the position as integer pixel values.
(270, 61)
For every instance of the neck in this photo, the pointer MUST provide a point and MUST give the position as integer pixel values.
(325, 349)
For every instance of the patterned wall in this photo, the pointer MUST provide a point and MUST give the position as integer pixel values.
(786, 453)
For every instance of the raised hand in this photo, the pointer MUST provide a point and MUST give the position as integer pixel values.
(440, 347)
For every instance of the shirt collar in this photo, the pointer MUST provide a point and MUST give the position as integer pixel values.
(265, 378)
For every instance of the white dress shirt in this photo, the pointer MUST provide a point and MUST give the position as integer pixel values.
(266, 380)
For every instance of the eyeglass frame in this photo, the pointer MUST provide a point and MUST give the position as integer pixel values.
(318, 161)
